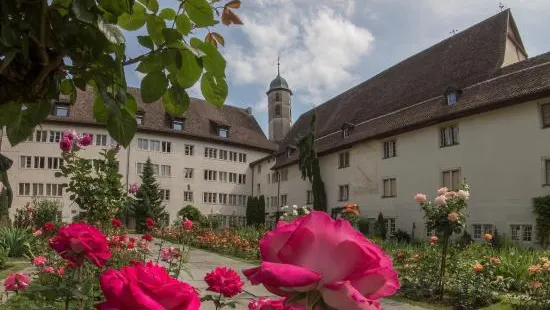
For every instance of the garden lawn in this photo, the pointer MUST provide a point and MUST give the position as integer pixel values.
(13, 265)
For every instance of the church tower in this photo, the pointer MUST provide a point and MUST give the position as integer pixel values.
(279, 107)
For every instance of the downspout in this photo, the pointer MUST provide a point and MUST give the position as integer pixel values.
(278, 195)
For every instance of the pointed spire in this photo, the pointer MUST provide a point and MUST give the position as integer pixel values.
(279, 65)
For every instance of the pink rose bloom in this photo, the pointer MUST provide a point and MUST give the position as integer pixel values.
(134, 188)
(16, 282)
(224, 281)
(265, 303)
(440, 200)
(433, 240)
(70, 134)
(169, 253)
(85, 140)
(464, 195)
(450, 195)
(39, 261)
(187, 224)
(306, 255)
(37, 233)
(65, 145)
(420, 198)
(48, 269)
(78, 241)
(442, 191)
(146, 286)
(453, 217)
(60, 271)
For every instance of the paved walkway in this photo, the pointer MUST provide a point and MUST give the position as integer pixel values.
(201, 262)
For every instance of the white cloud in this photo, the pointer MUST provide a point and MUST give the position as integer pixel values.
(320, 47)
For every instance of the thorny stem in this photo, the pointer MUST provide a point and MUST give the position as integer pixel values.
(443, 261)
(219, 301)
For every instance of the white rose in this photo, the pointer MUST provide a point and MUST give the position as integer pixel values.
(294, 212)
(294, 207)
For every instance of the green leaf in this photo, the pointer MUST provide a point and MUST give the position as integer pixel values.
(213, 61)
(154, 29)
(37, 112)
(111, 32)
(176, 101)
(82, 10)
(191, 70)
(122, 127)
(200, 12)
(152, 5)
(19, 128)
(153, 86)
(68, 88)
(214, 89)
(101, 111)
(183, 24)
(8, 112)
(130, 104)
(116, 7)
(171, 35)
(146, 41)
(168, 13)
(134, 21)
(153, 62)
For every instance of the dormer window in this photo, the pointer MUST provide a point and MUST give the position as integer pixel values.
(139, 118)
(451, 95)
(451, 98)
(290, 151)
(223, 132)
(61, 110)
(347, 128)
(177, 124)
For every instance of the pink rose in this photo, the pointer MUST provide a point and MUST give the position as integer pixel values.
(65, 145)
(265, 303)
(169, 253)
(187, 224)
(146, 286)
(70, 135)
(224, 281)
(85, 140)
(39, 261)
(134, 188)
(450, 195)
(60, 271)
(48, 269)
(433, 240)
(464, 195)
(79, 241)
(295, 260)
(16, 282)
(442, 191)
(440, 200)
(37, 233)
(453, 217)
(420, 198)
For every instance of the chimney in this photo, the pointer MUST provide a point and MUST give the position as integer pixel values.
(249, 110)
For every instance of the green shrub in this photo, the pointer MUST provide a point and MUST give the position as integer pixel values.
(380, 227)
(4, 252)
(364, 226)
(46, 210)
(401, 236)
(190, 213)
(17, 240)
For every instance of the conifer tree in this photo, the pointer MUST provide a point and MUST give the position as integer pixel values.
(149, 198)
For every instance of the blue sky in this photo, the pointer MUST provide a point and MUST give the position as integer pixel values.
(328, 46)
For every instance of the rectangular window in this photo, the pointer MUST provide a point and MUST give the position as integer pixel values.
(210, 175)
(54, 190)
(139, 118)
(210, 152)
(451, 179)
(139, 168)
(343, 192)
(283, 200)
(545, 115)
(37, 189)
(55, 163)
(223, 132)
(309, 199)
(274, 177)
(390, 226)
(449, 136)
(347, 132)
(61, 110)
(259, 168)
(165, 194)
(156, 169)
(165, 171)
(547, 171)
(177, 125)
(222, 198)
(223, 154)
(26, 162)
(41, 136)
(232, 177)
(101, 140)
(232, 156)
(188, 196)
(390, 188)
(154, 145)
(343, 160)
(390, 149)
(55, 136)
(223, 176)
(242, 157)
(187, 173)
(39, 162)
(24, 189)
(479, 230)
(521, 232)
(143, 144)
(274, 201)
(242, 178)
(189, 149)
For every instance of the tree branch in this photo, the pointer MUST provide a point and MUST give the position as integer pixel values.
(43, 17)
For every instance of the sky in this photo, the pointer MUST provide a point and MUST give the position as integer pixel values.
(328, 46)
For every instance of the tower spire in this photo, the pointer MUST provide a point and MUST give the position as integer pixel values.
(279, 65)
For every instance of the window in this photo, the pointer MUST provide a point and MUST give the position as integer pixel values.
(242, 178)
(55, 136)
(154, 145)
(284, 199)
(37, 189)
(223, 132)
(451, 98)
(343, 160)
(188, 196)
(527, 233)
(451, 179)
(390, 149)
(210, 175)
(177, 125)
(189, 149)
(165, 194)
(222, 198)
(223, 176)
(232, 156)
(26, 162)
(139, 118)
(223, 154)
(390, 225)
(41, 136)
(24, 189)
(343, 192)
(449, 136)
(54, 190)
(390, 188)
(165, 171)
(242, 157)
(55, 163)
(278, 110)
(547, 170)
(274, 201)
(284, 175)
(346, 132)
(277, 97)
(309, 199)
(259, 168)
(210, 152)
(274, 177)
(61, 110)
(143, 144)
(521, 232)
(156, 169)
(139, 168)
(39, 162)
(101, 140)
(187, 173)
(545, 114)
(479, 230)
(232, 177)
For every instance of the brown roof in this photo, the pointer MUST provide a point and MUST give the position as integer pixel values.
(409, 95)
(201, 120)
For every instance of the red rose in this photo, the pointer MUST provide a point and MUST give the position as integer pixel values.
(187, 224)
(79, 241)
(116, 222)
(225, 281)
(66, 145)
(85, 140)
(147, 237)
(146, 286)
(49, 226)
(149, 222)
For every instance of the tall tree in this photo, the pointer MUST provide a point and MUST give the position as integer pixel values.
(149, 198)
(309, 166)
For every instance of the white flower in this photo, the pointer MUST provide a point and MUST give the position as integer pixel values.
(294, 212)
(306, 211)
(285, 207)
(464, 195)
(281, 218)
(294, 207)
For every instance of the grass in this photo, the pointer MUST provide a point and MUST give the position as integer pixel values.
(13, 266)
(503, 305)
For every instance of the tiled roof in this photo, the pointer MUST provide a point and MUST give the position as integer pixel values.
(200, 121)
(409, 95)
